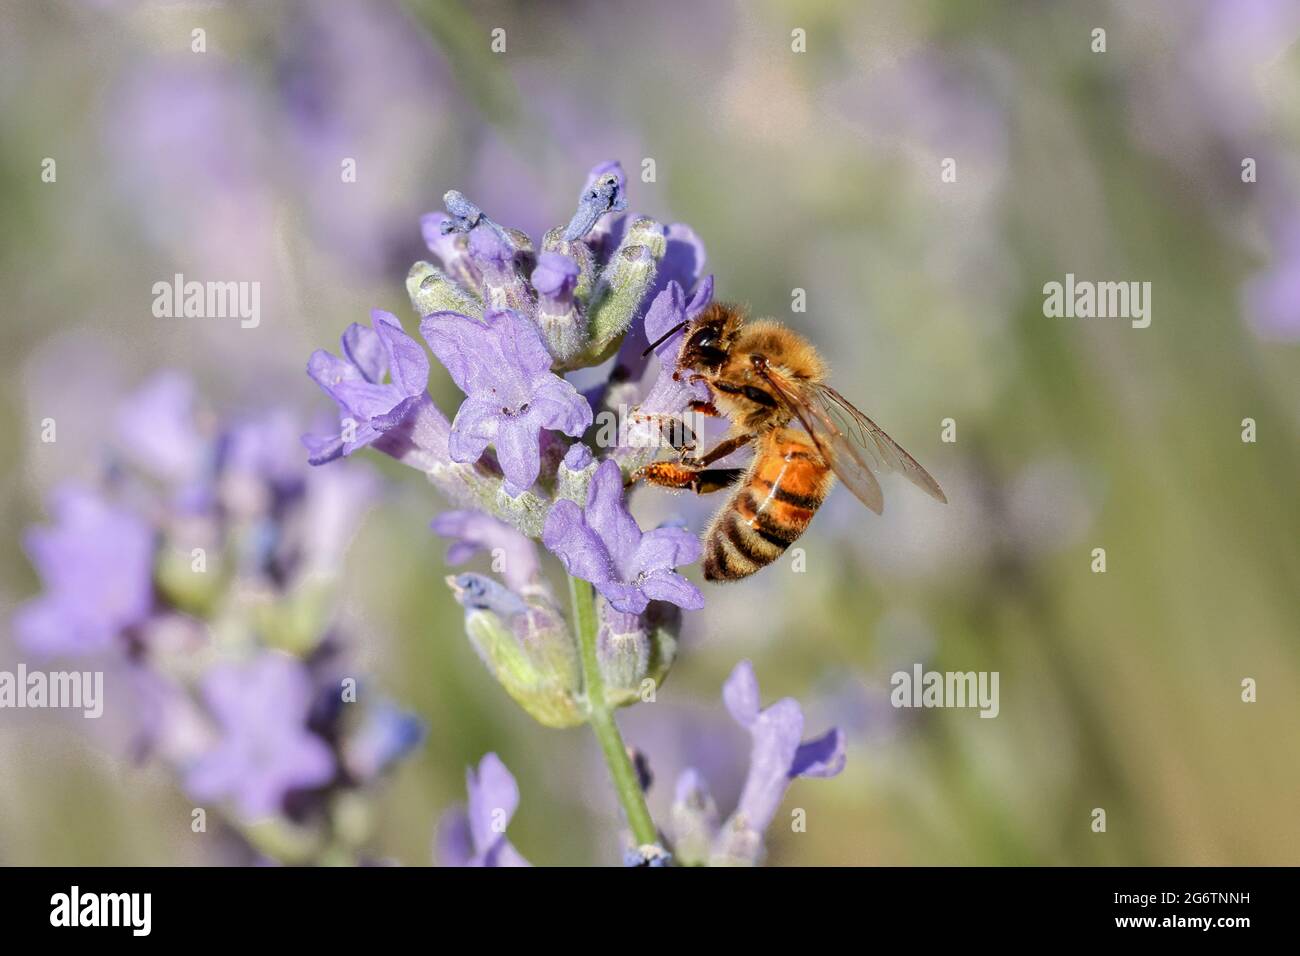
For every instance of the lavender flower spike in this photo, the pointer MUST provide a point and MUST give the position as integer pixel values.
(504, 369)
(369, 406)
(476, 835)
(777, 757)
(602, 543)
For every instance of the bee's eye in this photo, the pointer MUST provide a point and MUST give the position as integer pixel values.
(706, 338)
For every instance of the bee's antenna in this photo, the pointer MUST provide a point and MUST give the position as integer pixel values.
(664, 338)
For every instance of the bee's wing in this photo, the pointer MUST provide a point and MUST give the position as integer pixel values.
(831, 444)
(870, 443)
(851, 443)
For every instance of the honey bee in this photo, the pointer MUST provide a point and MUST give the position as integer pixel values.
(769, 383)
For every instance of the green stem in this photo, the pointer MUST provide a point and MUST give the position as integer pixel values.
(601, 718)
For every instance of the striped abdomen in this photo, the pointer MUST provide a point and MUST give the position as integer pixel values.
(769, 509)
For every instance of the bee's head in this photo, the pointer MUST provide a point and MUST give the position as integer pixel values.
(709, 338)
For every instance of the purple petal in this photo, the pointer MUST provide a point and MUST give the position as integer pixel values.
(493, 798)
(776, 734)
(556, 274)
(366, 400)
(701, 299)
(408, 363)
(577, 457)
(157, 428)
(624, 597)
(667, 311)
(504, 854)
(740, 694)
(458, 342)
(607, 515)
(455, 844)
(665, 549)
(556, 405)
(395, 416)
(579, 548)
(363, 348)
(683, 259)
(329, 371)
(822, 757)
(520, 342)
(474, 428)
(488, 249)
(673, 588)
(519, 452)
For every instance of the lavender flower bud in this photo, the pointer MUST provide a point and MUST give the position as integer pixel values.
(694, 820)
(452, 250)
(623, 284)
(605, 192)
(635, 651)
(527, 648)
(432, 290)
(580, 253)
(574, 474)
(737, 844)
(503, 285)
(525, 251)
(563, 326)
(462, 215)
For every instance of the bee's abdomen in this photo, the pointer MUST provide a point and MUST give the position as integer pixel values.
(766, 514)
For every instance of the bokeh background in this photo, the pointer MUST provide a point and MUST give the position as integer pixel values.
(818, 171)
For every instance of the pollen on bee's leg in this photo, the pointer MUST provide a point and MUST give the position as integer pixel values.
(667, 474)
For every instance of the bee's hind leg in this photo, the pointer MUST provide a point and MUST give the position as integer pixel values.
(702, 481)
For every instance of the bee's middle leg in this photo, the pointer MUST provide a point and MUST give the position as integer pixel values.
(702, 481)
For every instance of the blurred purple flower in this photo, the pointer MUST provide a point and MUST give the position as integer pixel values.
(97, 566)
(370, 407)
(187, 148)
(473, 531)
(327, 90)
(476, 836)
(1272, 298)
(777, 756)
(386, 735)
(504, 369)
(158, 429)
(264, 749)
(602, 543)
